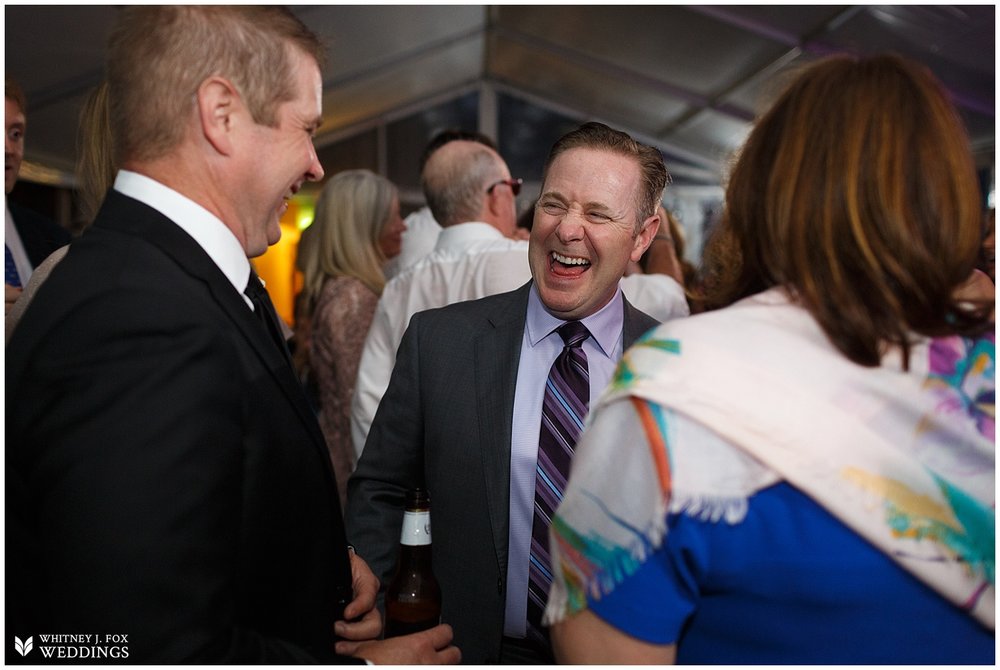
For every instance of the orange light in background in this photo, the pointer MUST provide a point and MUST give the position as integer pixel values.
(277, 266)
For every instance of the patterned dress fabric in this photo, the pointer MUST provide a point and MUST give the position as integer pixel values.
(340, 321)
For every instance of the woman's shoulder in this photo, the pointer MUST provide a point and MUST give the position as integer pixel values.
(342, 295)
(343, 288)
(771, 307)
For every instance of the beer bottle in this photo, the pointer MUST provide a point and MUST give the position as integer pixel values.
(413, 600)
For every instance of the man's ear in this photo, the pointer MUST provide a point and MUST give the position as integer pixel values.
(493, 203)
(218, 105)
(645, 237)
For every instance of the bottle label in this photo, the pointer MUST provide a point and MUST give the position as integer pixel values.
(416, 529)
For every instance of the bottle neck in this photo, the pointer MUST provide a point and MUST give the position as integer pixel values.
(417, 557)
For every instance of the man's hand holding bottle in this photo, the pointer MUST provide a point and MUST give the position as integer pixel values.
(363, 626)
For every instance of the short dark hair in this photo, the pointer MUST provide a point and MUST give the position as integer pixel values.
(594, 135)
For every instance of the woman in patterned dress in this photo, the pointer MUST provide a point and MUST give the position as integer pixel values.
(356, 230)
(806, 475)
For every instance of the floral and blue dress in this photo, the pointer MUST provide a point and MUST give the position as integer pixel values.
(773, 502)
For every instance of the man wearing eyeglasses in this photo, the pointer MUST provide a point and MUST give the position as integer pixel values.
(472, 196)
(468, 413)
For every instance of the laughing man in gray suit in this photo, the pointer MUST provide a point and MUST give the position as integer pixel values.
(464, 406)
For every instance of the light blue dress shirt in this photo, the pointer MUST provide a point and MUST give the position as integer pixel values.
(539, 348)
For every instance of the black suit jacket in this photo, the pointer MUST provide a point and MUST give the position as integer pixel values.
(166, 478)
(39, 235)
(445, 422)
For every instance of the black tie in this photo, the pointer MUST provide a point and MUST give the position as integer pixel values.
(264, 310)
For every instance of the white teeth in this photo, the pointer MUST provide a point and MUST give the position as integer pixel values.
(566, 260)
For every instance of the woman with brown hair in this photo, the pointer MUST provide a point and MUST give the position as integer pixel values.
(805, 474)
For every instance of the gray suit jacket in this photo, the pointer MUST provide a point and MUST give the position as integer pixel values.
(445, 423)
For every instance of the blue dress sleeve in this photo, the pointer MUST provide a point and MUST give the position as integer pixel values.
(654, 603)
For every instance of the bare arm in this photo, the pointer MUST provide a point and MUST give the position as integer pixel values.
(586, 639)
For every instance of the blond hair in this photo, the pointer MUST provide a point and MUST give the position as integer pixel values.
(95, 163)
(342, 241)
(158, 56)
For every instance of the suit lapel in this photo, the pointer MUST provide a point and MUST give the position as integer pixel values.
(634, 325)
(497, 353)
(129, 216)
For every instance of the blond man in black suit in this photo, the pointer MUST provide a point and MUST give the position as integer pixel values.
(166, 478)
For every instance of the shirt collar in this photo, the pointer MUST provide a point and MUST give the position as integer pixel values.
(208, 230)
(463, 234)
(605, 325)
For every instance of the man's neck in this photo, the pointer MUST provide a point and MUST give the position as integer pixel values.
(186, 173)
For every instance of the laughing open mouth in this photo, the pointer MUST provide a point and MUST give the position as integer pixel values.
(568, 266)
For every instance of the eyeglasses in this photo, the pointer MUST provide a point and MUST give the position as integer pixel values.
(515, 185)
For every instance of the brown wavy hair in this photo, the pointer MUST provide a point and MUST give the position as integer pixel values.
(856, 191)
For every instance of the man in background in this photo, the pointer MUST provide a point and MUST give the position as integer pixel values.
(471, 194)
(29, 237)
(422, 229)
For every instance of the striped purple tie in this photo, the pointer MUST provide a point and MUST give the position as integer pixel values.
(564, 407)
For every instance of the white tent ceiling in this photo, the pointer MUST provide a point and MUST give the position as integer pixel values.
(688, 79)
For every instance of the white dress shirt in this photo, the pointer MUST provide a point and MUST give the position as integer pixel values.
(208, 230)
(419, 240)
